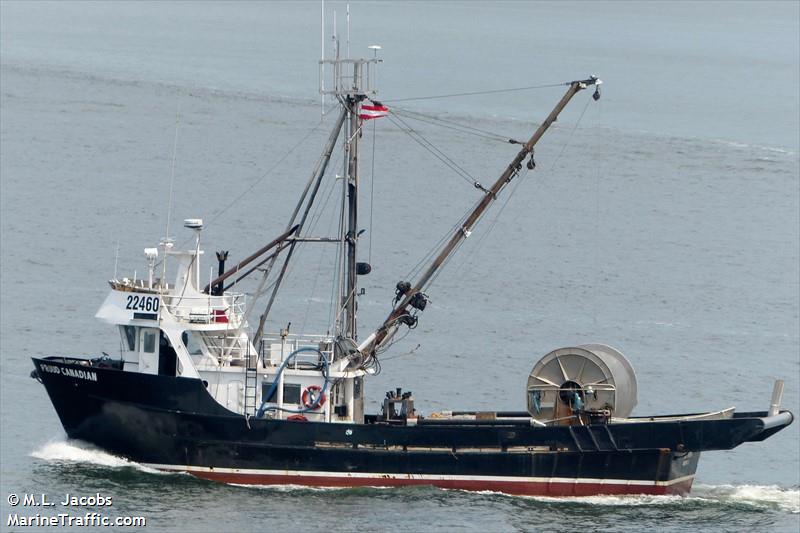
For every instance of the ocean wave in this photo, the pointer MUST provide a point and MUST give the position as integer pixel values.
(74, 451)
(765, 496)
(772, 149)
(757, 496)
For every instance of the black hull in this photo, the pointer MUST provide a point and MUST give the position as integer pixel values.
(174, 424)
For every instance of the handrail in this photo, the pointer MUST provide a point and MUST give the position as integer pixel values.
(185, 307)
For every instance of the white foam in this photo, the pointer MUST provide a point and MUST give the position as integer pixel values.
(303, 488)
(74, 451)
(764, 496)
(756, 495)
(629, 500)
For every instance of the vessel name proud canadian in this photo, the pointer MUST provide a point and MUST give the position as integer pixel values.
(196, 389)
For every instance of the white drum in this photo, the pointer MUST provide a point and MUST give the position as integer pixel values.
(590, 377)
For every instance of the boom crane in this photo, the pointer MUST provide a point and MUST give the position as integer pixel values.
(411, 296)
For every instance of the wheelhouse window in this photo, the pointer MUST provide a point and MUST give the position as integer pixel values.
(192, 342)
(291, 393)
(149, 342)
(265, 386)
(128, 338)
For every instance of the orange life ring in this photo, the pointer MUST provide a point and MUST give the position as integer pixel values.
(297, 418)
(313, 397)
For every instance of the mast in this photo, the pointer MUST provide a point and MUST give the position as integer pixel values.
(351, 237)
(351, 84)
(411, 295)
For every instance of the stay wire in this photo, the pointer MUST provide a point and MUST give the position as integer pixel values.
(474, 93)
(257, 182)
(451, 124)
(571, 133)
(427, 145)
(315, 219)
(244, 193)
(521, 177)
(438, 150)
(471, 254)
(438, 245)
(371, 194)
(315, 216)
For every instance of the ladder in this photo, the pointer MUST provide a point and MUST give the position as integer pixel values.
(250, 383)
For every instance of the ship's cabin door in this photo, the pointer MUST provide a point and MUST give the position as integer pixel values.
(148, 350)
(167, 358)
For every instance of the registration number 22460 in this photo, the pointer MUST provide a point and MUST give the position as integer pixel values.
(142, 303)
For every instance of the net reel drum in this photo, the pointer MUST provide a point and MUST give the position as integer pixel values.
(589, 383)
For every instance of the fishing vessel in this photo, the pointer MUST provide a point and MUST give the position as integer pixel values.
(199, 386)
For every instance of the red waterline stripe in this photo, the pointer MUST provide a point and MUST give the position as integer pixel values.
(520, 488)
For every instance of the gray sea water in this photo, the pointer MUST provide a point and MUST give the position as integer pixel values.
(663, 220)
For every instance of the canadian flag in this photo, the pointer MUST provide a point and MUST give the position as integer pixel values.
(372, 109)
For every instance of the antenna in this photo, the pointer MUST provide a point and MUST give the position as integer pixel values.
(172, 169)
(322, 55)
(116, 260)
(348, 31)
(167, 242)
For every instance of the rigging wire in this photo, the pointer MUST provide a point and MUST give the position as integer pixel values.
(316, 216)
(316, 180)
(521, 177)
(438, 150)
(596, 241)
(435, 248)
(410, 352)
(266, 173)
(371, 194)
(473, 93)
(571, 133)
(427, 145)
(453, 254)
(283, 158)
(384, 349)
(167, 240)
(172, 168)
(471, 253)
(313, 289)
(450, 124)
(338, 272)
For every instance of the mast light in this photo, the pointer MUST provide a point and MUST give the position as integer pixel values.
(193, 223)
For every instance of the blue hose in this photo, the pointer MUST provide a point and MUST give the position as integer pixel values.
(536, 397)
(577, 404)
(274, 386)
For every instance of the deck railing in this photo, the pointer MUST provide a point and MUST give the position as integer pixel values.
(206, 309)
(275, 348)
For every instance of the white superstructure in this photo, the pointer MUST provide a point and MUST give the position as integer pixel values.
(183, 329)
